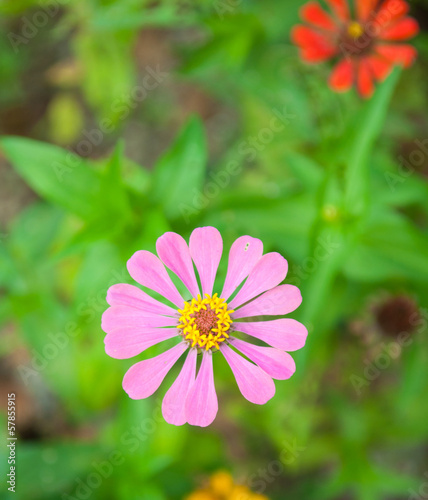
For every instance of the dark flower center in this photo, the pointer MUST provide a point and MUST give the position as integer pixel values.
(397, 315)
(206, 320)
(355, 40)
(205, 323)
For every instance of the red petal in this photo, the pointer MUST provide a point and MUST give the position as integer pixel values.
(315, 54)
(340, 9)
(303, 36)
(342, 76)
(397, 53)
(315, 46)
(312, 13)
(365, 8)
(390, 11)
(401, 30)
(365, 84)
(379, 67)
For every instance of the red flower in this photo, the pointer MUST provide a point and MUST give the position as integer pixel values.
(364, 41)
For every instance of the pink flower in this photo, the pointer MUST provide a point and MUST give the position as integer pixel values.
(204, 323)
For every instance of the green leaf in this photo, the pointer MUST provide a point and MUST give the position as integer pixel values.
(129, 15)
(66, 120)
(7, 266)
(179, 174)
(101, 57)
(261, 217)
(364, 132)
(229, 45)
(100, 268)
(64, 463)
(391, 247)
(307, 171)
(33, 232)
(55, 174)
(113, 188)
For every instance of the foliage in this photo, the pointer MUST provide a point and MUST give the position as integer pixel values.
(327, 180)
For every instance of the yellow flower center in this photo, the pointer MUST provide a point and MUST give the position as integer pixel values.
(355, 30)
(205, 323)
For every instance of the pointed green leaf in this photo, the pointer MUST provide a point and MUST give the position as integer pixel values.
(179, 174)
(391, 247)
(55, 174)
(365, 130)
(113, 188)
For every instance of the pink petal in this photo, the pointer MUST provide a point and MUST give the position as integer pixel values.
(243, 255)
(174, 402)
(254, 384)
(143, 378)
(128, 341)
(278, 364)
(269, 271)
(174, 253)
(206, 247)
(148, 270)
(286, 334)
(117, 316)
(123, 294)
(280, 300)
(202, 404)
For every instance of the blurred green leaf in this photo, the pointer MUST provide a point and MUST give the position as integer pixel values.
(65, 116)
(131, 14)
(99, 269)
(230, 42)
(179, 174)
(113, 189)
(363, 133)
(33, 233)
(307, 171)
(55, 467)
(101, 57)
(7, 266)
(55, 174)
(390, 247)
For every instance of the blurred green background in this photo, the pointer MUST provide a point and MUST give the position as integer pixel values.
(121, 120)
